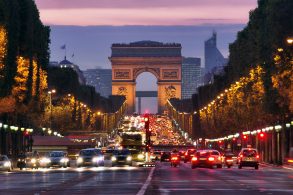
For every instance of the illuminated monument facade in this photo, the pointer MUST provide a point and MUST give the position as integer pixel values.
(162, 60)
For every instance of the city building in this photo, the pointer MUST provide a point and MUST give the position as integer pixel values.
(67, 64)
(191, 76)
(214, 60)
(101, 79)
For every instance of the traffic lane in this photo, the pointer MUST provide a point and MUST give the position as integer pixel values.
(101, 180)
(184, 180)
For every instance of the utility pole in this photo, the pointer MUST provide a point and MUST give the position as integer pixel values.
(147, 135)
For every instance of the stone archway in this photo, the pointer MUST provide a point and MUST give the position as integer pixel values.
(162, 60)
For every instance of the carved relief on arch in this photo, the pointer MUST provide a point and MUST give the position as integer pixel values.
(154, 71)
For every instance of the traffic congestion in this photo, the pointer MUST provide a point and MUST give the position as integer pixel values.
(131, 150)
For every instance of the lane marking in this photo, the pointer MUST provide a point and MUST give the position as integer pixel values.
(289, 168)
(147, 183)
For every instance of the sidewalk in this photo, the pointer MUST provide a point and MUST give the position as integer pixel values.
(285, 166)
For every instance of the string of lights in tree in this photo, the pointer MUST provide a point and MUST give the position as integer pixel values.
(277, 128)
(28, 131)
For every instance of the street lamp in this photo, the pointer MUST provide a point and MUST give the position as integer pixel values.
(50, 101)
(290, 40)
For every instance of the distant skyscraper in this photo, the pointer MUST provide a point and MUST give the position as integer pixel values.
(213, 57)
(101, 79)
(214, 60)
(191, 74)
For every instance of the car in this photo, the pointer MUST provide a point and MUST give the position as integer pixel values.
(5, 163)
(32, 160)
(166, 157)
(189, 154)
(248, 157)
(206, 158)
(90, 157)
(137, 155)
(121, 157)
(55, 159)
(155, 155)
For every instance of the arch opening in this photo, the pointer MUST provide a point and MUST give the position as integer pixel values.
(146, 85)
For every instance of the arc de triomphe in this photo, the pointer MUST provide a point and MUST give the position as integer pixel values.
(162, 60)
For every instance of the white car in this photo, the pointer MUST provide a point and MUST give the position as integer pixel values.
(5, 163)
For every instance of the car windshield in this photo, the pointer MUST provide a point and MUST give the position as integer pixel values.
(121, 152)
(249, 153)
(57, 154)
(157, 152)
(3, 158)
(89, 152)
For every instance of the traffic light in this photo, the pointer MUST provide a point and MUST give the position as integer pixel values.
(261, 135)
(245, 137)
(26, 133)
(146, 123)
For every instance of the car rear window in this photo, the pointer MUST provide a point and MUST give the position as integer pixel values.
(249, 153)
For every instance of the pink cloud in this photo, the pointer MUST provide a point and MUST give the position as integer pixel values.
(141, 12)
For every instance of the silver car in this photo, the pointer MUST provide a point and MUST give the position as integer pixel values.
(5, 163)
(55, 158)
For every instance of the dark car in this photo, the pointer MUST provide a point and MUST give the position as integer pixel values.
(206, 158)
(189, 154)
(90, 157)
(166, 157)
(55, 158)
(248, 157)
(28, 160)
(121, 157)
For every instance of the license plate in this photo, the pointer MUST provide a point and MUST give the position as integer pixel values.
(202, 159)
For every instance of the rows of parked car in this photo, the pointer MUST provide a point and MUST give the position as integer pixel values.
(93, 157)
(247, 157)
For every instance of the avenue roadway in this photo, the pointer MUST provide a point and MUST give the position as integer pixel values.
(161, 179)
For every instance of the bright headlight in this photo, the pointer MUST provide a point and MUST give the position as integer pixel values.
(113, 158)
(140, 156)
(33, 160)
(129, 158)
(64, 160)
(79, 160)
(45, 160)
(7, 164)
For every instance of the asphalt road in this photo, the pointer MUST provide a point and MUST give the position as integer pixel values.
(138, 181)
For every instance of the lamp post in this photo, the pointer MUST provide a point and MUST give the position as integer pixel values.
(50, 102)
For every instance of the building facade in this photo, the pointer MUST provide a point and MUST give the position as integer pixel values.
(191, 76)
(101, 79)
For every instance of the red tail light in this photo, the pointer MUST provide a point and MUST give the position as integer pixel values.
(211, 158)
(257, 156)
(241, 156)
(194, 158)
(186, 153)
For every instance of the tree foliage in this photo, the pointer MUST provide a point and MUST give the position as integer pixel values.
(269, 98)
(24, 56)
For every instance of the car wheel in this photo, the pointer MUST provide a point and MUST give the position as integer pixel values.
(185, 161)
(256, 167)
(219, 166)
(239, 167)
(229, 166)
(193, 166)
(175, 165)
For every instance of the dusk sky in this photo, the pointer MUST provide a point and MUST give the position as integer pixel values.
(144, 12)
(89, 27)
